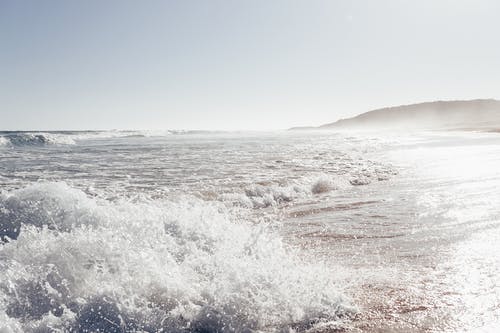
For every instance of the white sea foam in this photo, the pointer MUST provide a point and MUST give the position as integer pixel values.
(271, 195)
(152, 265)
(326, 183)
(3, 141)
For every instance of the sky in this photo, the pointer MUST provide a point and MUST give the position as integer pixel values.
(236, 65)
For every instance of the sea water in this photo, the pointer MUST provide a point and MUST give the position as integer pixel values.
(189, 231)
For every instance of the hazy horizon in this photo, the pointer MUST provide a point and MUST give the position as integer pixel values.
(237, 66)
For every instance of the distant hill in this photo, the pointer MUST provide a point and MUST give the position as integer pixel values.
(472, 114)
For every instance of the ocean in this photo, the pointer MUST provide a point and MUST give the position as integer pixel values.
(290, 231)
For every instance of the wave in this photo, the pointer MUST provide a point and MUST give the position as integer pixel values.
(61, 138)
(263, 196)
(71, 137)
(271, 194)
(89, 135)
(71, 262)
(35, 139)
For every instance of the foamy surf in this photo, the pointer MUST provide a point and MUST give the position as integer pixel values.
(84, 264)
(275, 195)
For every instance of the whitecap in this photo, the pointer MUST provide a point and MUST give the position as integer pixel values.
(183, 266)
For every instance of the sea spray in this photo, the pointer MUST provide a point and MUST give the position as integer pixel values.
(154, 265)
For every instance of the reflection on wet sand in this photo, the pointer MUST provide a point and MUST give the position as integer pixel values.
(424, 253)
(317, 210)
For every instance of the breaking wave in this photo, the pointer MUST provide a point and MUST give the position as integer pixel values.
(35, 139)
(74, 263)
(273, 194)
(71, 137)
(263, 196)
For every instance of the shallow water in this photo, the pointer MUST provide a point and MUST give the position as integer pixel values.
(241, 232)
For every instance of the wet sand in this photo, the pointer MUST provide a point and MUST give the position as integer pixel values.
(422, 252)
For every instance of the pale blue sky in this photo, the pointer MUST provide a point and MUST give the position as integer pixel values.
(256, 64)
